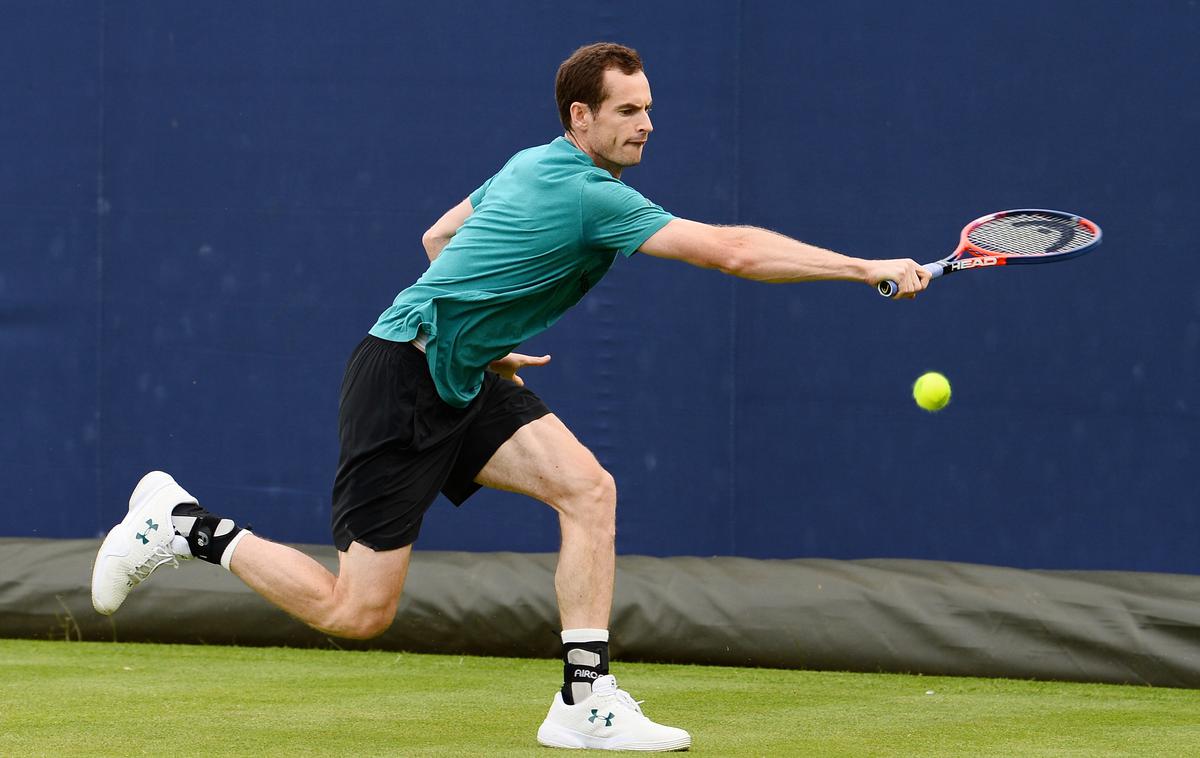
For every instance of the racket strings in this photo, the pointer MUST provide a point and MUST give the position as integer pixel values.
(1031, 234)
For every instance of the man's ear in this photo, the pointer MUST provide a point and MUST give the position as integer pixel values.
(581, 116)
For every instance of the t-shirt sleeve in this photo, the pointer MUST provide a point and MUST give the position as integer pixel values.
(476, 197)
(617, 217)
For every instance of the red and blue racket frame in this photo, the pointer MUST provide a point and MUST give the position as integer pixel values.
(1014, 237)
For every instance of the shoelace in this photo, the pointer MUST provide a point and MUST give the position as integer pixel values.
(608, 685)
(628, 700)
(162, 554)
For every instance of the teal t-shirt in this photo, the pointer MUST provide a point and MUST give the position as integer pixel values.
(543, 231)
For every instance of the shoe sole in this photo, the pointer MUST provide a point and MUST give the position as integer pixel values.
(143, 496)
(553, 735)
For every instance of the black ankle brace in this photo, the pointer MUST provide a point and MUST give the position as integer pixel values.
(583, 663)
(207, 535)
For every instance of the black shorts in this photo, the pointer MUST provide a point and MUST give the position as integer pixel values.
(401, 443)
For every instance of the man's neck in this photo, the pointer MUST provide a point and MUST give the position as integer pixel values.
(600, 162)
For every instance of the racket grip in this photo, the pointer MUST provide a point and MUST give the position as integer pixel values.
(888, 288)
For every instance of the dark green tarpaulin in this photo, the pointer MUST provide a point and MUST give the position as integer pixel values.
(870, 615)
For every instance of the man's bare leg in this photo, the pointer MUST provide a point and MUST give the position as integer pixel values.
(544, 460)
(360, 602)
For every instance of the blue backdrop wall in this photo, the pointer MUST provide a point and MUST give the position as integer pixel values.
(205, 206)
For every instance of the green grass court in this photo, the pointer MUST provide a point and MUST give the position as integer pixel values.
(108, 699)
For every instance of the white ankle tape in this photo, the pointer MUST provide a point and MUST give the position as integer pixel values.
(227, 556)
(585, 635)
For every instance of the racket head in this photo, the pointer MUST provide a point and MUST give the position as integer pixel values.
(1027, 235)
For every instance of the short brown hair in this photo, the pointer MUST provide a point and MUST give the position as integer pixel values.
(581, 77)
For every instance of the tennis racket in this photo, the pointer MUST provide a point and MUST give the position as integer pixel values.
(1011, 237)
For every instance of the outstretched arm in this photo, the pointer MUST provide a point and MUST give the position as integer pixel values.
(752, 253)
(438, 235)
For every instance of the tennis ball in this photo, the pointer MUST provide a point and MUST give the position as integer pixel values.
(932, 391)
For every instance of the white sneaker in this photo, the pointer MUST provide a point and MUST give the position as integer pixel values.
(608, 720)
(139, 544)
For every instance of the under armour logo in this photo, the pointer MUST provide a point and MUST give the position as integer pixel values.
(596, 715)
(149, 525)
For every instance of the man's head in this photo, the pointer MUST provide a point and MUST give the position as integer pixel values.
(604, 104)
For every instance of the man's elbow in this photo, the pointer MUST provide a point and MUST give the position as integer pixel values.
(735, 256)
(432, 242)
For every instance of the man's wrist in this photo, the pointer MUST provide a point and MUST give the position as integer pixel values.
(861, 270)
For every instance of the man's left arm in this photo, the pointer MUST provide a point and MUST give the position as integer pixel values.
(509, 365)
(438, 236)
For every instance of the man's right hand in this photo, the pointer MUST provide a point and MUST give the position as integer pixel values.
(905, 272)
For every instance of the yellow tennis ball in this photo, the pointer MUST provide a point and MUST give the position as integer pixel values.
(932, 391)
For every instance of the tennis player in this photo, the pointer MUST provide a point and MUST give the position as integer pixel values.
(432, 400)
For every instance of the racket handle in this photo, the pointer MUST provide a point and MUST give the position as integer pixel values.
(888, 288)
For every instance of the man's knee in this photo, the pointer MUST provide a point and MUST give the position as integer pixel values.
(371, 625)
(366, 593)
(360, 623)
(592, 500)
(600, 487)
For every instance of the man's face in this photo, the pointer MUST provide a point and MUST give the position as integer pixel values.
(616, 134)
